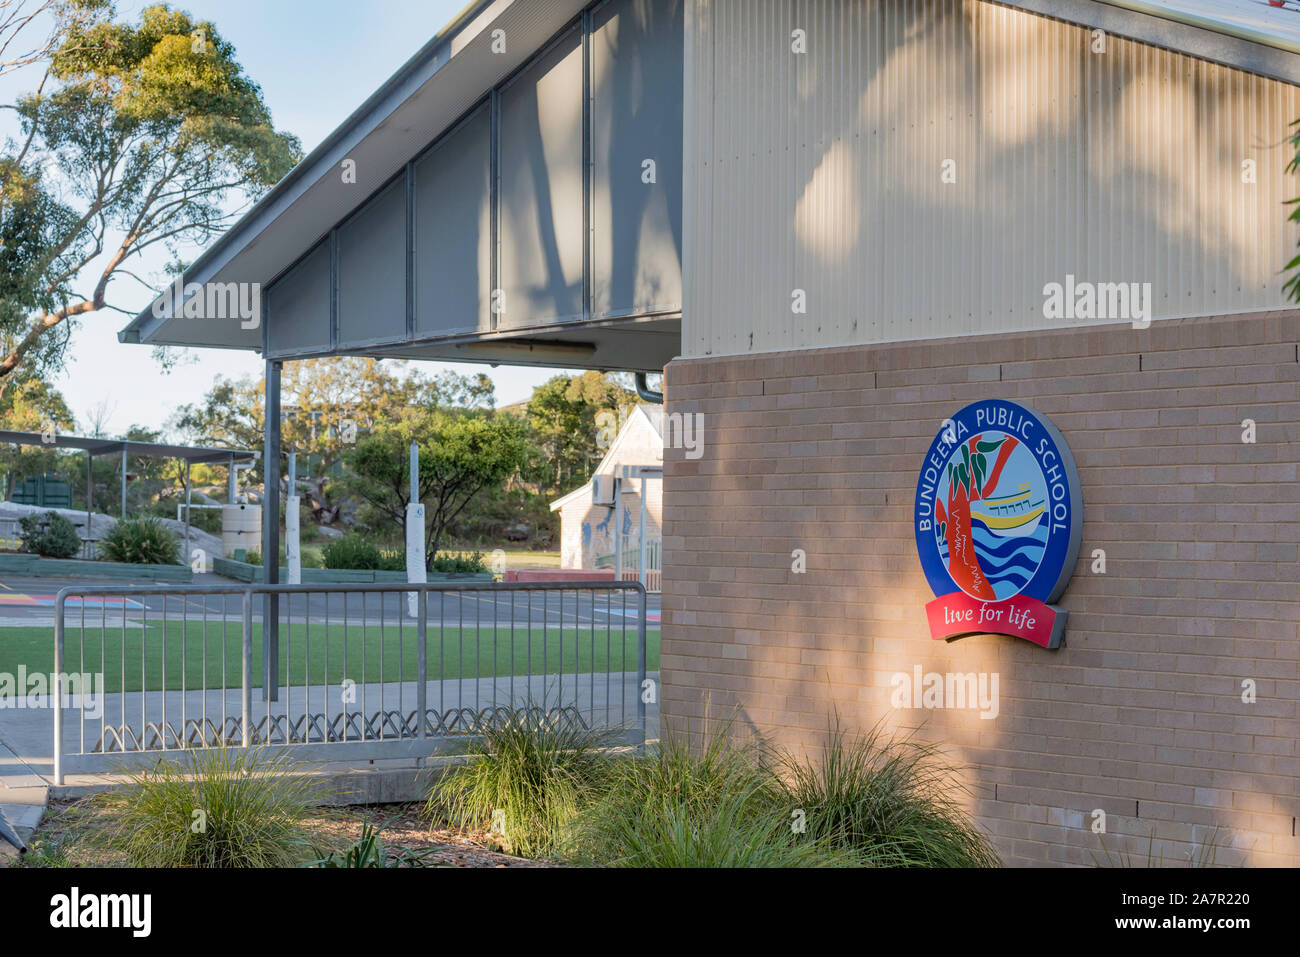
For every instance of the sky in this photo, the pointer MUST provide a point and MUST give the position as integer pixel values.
(316, 61)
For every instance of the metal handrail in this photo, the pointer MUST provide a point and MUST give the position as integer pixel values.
(249, 591)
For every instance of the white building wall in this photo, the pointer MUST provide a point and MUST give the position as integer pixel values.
(822, 171)
(588, 531)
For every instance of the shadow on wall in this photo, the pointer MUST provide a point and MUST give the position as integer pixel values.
(1139, 715)
(988, 148)
(636, 117)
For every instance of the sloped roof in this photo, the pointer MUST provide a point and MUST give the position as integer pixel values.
(116, 446)
(653, 414)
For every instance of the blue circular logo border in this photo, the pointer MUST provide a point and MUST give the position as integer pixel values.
(1052, 453)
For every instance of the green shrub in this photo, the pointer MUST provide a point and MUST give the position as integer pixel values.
(49, 535)
(351, 552)
(205, 519)
(463, 563)
(889, 800)
(141, 541)
(526, 781)
(214, 808)
(355, 552)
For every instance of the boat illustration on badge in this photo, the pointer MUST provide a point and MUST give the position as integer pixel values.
(998, 523)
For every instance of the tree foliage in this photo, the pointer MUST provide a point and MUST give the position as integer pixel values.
(326, 406)
(32, 406)
(138, 135)
(461, 455)
(563, 415)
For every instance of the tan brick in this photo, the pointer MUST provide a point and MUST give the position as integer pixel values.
(1140, 713)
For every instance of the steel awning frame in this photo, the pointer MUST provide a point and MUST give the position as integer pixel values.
(98, 447)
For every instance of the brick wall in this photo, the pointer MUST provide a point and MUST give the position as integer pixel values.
(1141, 714)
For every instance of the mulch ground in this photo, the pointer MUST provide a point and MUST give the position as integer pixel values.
(406, 833)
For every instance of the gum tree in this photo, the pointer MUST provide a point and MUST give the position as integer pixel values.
(462, 454)
(140, 135)
(562, 414)
(328, 405)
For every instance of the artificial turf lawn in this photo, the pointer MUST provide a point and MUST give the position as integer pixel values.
(305, 653)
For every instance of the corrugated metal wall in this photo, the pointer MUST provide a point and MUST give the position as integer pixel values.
(823, 171)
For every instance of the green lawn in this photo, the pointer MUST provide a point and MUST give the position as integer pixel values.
(305, 653)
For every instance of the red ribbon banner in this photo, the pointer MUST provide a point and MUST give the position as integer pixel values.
(958, 614)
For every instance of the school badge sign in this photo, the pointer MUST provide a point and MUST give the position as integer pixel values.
(998, 523)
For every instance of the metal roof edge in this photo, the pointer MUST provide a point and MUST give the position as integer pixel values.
(1155, 24)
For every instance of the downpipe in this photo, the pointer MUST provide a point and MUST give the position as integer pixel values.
(645, 392)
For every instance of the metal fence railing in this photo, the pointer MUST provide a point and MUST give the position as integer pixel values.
(338, 672)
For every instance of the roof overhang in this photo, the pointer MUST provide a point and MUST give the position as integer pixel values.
(422, 100)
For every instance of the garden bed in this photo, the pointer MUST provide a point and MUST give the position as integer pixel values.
(61, 839)
(245, 572)
(36, 567)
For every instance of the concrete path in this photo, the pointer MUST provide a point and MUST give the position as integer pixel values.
(23, 796)
(27, 733)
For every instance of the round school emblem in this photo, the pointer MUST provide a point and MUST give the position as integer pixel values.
(998, 523)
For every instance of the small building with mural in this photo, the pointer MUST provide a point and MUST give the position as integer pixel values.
(611, 500)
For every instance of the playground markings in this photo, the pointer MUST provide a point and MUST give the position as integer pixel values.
(72, 601)
(631, 613)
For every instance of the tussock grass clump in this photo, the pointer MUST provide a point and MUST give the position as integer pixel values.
(1201, 854)
(213, 808)
(740, 830)
(889, 800)
(526, 781)
(711, 801)
(707, 806)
